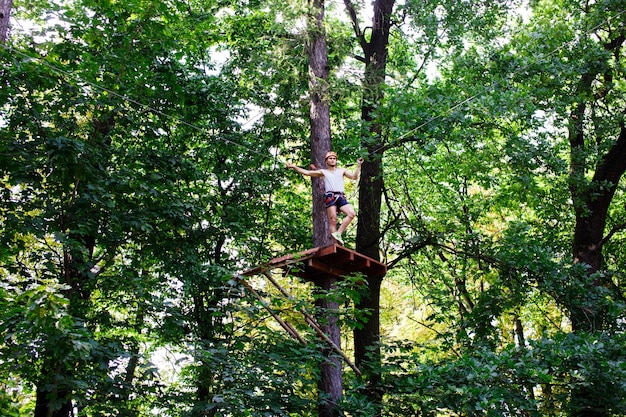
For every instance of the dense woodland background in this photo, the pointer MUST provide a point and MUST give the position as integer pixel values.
(142, 156)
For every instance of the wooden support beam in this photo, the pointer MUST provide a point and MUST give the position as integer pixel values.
(310, 263)
(286, 326)
(317, 265)
(314, 325)
(325, 268)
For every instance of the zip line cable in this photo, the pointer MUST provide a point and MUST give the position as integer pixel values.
(493, 85)
(126, 98)
(397, 141)
(152, 109)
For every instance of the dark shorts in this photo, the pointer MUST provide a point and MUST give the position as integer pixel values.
(335, 199)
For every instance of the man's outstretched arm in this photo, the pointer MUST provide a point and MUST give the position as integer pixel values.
(307, 172)
(354, 175)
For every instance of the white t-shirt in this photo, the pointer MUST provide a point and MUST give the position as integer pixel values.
(333, 180)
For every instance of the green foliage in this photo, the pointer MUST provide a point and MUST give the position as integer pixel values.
(141, 153)
(123, 175)
(480, 206)
(533, 380)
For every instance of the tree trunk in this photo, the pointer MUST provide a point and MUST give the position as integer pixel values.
(54, 398)
(319, 117)
(366, 339)
(591, 214)
(591, 202)
(591, 205)
(43, 408)
(330, 384)
(5, 16)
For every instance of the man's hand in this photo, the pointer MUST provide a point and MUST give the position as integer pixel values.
(360, 161)
(290, 165)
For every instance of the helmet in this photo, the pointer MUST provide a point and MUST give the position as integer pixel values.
(330, 153)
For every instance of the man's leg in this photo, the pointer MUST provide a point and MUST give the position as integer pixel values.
(350, 213)
(332, 218)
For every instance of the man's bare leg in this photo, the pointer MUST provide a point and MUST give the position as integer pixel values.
(332, 218)
(350, 214)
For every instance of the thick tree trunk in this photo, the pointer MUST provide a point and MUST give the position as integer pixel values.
(330, 384)
(43, 406)
(366, 339)
(319, 117)
(591, 205)
(366, 349)
(591, 202)
(54, 398)
(589, 234)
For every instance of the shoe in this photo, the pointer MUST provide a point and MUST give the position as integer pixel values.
(337, 237)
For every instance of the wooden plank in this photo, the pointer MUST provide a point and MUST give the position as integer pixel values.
(332, 259)
(327, 250)
(320, 266)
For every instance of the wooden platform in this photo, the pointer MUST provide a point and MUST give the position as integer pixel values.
(332, 260)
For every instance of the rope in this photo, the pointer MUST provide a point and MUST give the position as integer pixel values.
(493, 85)
(126, 98)
(286, 326)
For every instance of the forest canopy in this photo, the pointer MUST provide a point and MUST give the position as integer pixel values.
(143, 146)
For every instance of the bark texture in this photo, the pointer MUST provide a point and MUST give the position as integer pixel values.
(330, 384)
(366, 339)
(5, 15)
(319, 117)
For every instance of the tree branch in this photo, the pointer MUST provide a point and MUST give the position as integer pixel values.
(355, 21)
(614, 230)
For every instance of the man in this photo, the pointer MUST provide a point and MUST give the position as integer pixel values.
(334, 198)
